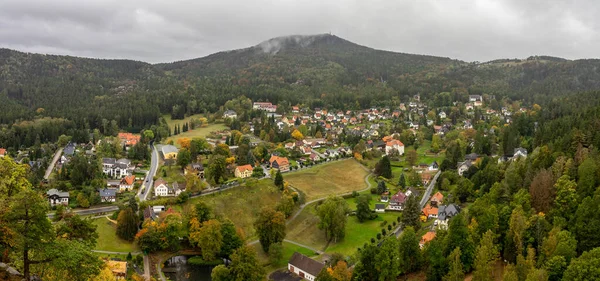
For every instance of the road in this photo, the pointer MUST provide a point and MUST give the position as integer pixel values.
(91, 211)
(149, 180)
(51, 166)
(424, 199)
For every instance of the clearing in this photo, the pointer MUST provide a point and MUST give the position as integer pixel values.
(329, 179)
(108, 240)
(195, 133)
(243, 203)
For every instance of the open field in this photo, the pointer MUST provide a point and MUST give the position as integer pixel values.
(172, 123)
(195, 133)
(108, 240)
(288, 251)
(173, 174)
(242, 204)
(329, 179)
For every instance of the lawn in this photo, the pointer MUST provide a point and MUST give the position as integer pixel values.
(242, 204)
(328, 179)
(197, 133)
(288, 251)
(173, 174)
(108, 240)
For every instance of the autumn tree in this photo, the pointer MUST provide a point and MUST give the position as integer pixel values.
(127, 224)
(270, 227)
(411, 158)
(278, 180)
(517, 227)
(383, 168)
(297, 135)
(245, 266)
(202, 212)
(485, 257)
(232, 240)
(332, 218)
(207, 236)
(363, 209)
(542, 191)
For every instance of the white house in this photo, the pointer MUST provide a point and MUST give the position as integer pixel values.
(442, 115)
(394, 144)
(161, 188)
(117, 168)
(126, 183)
(520, 152)
(445, 213)
(56, 197)
(304, 266)
(230, 114)
(380, 208)
(463, 166)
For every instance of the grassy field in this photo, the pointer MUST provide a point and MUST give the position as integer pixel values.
(174, 174)
(328, 179)
(108, 240)
(198, 132)
(288, 251)
(242, 204)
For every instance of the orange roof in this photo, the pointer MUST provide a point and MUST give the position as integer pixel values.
(437, 196)
(129, 138)
(2, 151)
(387, 138)
(426, 176)
(427, 237)
(394, 142)
(244, 168)
(428, 210)
(128, 180)
(280, 160)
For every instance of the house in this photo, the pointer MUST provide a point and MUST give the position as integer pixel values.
(264, 106)
(117, 169)
(384, 198)
(472, 157)
(280, 163)
(195, 168)
(128, 139)
(394, 144)
(426, 238)
(161, 188)
(244, 171)
(380, 208)
(474, 98)
(445, 213)
(295, 109)
(462, 167)
(230, 114)
(69, 149)
(126, 183)
(2, 152)
(397, 201)
(429, 211)
(411, 191)
(304, 266)
(169, 151)
(118, 269)
(442, 115)
(433, 167)
(56, 197)
(436, 199)
(150, 214)
(108, 194)
(314, 157)
(520, 152)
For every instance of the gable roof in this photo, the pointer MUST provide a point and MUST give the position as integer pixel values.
(2, 151)
(159, 182)
(244, 168)
(379, 206)
(447, 211)
(438, 196)
(128, 180)
(307, 264)
(166, 149)
(55, 191)
(427, 237)
(399, 198)
(279, 160)
(428, 210)
(107, 192)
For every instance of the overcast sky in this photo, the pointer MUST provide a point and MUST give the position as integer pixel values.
(169, 30)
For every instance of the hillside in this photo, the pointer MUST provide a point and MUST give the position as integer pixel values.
(319, 71)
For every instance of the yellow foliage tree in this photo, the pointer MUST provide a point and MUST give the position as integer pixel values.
(230, 160)
(358, 156)
(341, 272)
(184, 142)
(105, 275)
(297, 135)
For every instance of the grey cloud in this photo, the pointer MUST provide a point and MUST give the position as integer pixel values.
(162, 31)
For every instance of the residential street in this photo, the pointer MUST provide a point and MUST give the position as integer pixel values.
(147, 184)
(424, 199)
(51, 166)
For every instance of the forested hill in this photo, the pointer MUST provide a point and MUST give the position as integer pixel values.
(319, 71)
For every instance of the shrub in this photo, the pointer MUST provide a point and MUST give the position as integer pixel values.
(378, 236)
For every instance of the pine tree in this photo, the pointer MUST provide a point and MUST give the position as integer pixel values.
(411, 214)
(456, 272)
(279, 180)
(127, 224)
(402, 181)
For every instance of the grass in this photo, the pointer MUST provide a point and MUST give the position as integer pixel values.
(327, 179)
(108, 240)
(174, 174)
(197, 133)
(288, 251)
(242, 204)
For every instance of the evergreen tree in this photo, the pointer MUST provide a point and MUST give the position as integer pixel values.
(127, 224)
(485, 257)
(383, 168)
(402, 181)
(459, 237)
(456, 272)
(279, 180)
(411, 213)
(410, 251)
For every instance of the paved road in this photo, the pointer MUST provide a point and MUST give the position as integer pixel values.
(147, 185)
(91, 211)
(146, 267)
(54, 160)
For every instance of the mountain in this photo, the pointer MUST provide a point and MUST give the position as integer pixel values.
(318, 70)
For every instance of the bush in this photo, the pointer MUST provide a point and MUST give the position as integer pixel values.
(389, 227)
(384, 232)
(373, 190)
(199, 261)
(372, 240)
(354, 194)
(394, 224)
(378, 236)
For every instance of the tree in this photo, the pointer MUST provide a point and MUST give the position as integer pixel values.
(221, 273)
(270, 227)
(216, 168)
(275, 252)
(517, 227)
(456, 272)
(587, 174)
(411, 158)
(565, 203)
(127, 224)
(202, 212)
(341, 272)
(332, 218)
(381, 188)
(436, 265)
(510, 273)
(585, 267)
(75, 228)
(410, 251)
(245, 265)
(402, 181)
(388, 260)
(208, 237)
(459, 237)
(436, 143)
(258, 172)
(588, 236)
(555, 267)
(82, 201)
(278, 180)
(383, 168)
(193, 183)
(542, 191)
(485, 257)
(411, 214)
(104, 275)
(297, 135)
(231, 239)
(366, 268)
(363, 210)
(184, 157)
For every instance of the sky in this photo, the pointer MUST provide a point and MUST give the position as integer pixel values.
(171, 30)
